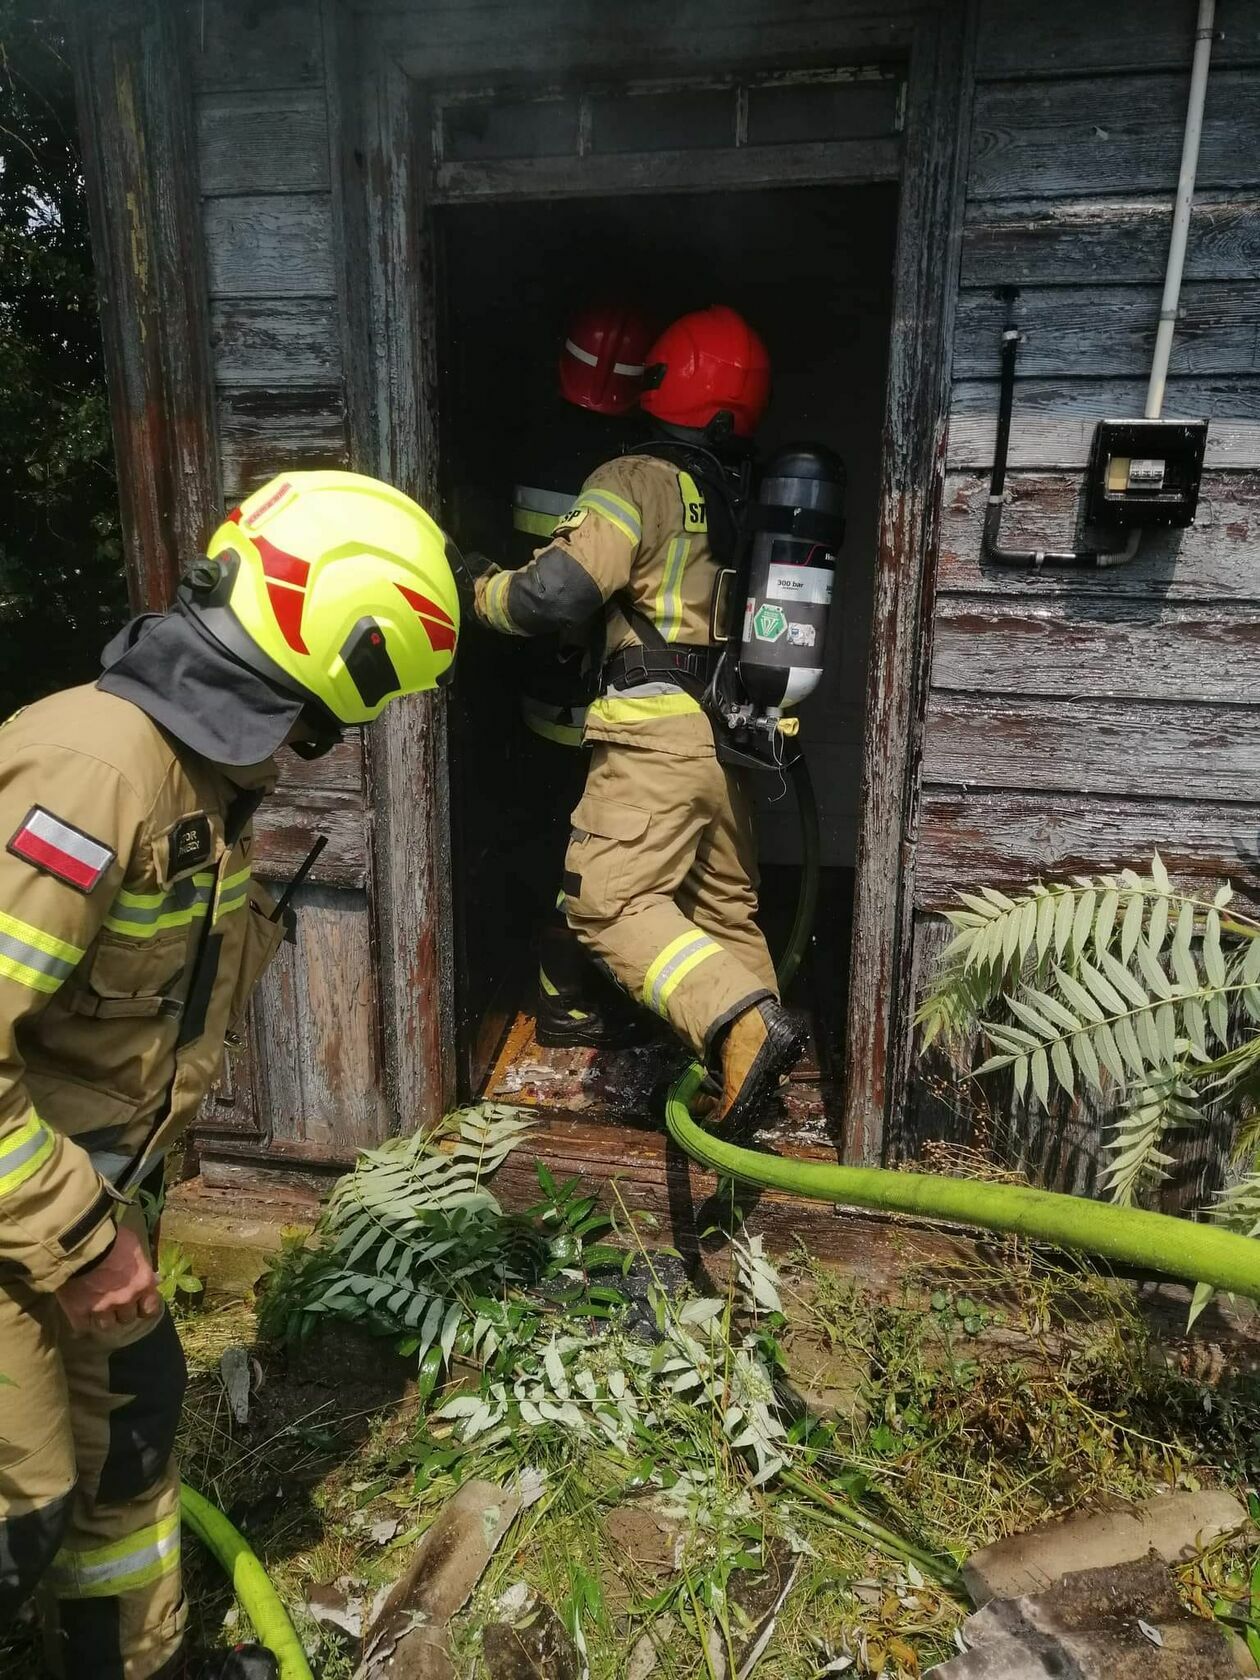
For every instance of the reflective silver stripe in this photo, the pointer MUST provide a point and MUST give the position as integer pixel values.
(112, 1163)
(582, 355)
(30, 956)
(632, 370)
(18, 1154)
(693, 946)
(75, 1577)
(542, 501)
(185, 896)
(643, 691)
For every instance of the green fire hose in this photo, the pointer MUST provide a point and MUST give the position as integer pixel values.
(1157, 1242)
(249, 1578)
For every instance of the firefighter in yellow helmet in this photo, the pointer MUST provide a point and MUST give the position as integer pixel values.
(661, 871)
(131, 935)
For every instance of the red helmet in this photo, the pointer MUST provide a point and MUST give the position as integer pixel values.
(707, 362)
(602, 361)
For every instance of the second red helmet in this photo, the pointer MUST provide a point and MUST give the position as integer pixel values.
(603, 357)
(705, 363)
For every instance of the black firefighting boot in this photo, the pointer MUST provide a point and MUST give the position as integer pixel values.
(758, 1052)
(576, 1008)
(235, 1662)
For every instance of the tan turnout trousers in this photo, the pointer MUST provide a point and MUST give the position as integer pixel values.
(661, 877)
(660, 874)
(87, 1429)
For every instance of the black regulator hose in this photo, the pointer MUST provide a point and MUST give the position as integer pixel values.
(811, 861)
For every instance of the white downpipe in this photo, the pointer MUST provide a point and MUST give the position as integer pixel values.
(1181, 210)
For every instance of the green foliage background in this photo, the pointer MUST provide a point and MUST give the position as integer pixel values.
(61, 582)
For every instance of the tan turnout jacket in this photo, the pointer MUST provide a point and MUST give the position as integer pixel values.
(638, 532)
(121, 880)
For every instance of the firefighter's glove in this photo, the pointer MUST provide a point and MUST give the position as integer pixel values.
(468, 567)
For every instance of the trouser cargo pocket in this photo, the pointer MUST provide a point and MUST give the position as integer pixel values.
(604, 838)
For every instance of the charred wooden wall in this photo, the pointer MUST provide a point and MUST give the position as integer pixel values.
(1078, 720)
(265, 164)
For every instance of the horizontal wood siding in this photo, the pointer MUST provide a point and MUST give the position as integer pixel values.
(311, 1080)
(265, 173)
(1216, 559)
(1079, 720)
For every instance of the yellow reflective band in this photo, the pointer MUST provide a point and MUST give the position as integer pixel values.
(610, 709)
(233, 893)
(494, 603)
(615, 509)
(23, 1153)
(141, 915)
(107, 1571)
(33, 958)
(674, 964)
(537, 524)
(669, 607)
(546, 721)
(562, 899)
(545, 984)
(563, 734)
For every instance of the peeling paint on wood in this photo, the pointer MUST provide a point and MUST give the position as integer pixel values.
(1213, 560)
(1068, 330)
(1053, 422)
(913, 474)
(270, 245)
(1008, 837)
(1112, 240)
(276, 342)
(271, 141)
(263, 432)
(1081, 746)
(131, 67)
(1081, 135)
(1108, 650)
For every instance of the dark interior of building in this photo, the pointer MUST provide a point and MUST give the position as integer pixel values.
(811, 268)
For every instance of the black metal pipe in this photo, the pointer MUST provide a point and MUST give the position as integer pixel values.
(1028, 559)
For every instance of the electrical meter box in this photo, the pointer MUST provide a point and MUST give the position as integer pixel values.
(1145, 472)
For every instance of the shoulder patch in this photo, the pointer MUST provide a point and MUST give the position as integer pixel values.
(189, 845)
(58, 848)
(569, 521)
(695, 513)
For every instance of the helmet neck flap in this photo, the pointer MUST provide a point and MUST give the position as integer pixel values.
(179, 673)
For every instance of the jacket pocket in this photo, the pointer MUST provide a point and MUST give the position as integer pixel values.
(259, 944)
(129, 977)
(603, 840)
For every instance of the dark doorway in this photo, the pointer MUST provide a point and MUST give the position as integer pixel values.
(812, 268)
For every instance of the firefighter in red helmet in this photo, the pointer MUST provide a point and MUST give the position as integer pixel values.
(599, 379)
(660, 873)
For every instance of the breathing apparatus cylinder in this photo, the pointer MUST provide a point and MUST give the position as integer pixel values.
(796, 525)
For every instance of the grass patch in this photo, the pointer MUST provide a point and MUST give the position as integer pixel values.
(793, 1425)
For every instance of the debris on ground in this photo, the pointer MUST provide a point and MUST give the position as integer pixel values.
(236, 1370)
(753, 1601)
(533, 1647)
(1173, 1526)
(1122, 1622)
(668, 1438)
(408, 1639)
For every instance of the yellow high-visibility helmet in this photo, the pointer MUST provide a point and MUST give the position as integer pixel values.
(335, 586)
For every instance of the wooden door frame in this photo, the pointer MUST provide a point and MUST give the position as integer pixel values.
(391, 347)
(137, 127)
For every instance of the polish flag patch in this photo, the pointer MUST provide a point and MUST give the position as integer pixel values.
(58, 848)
